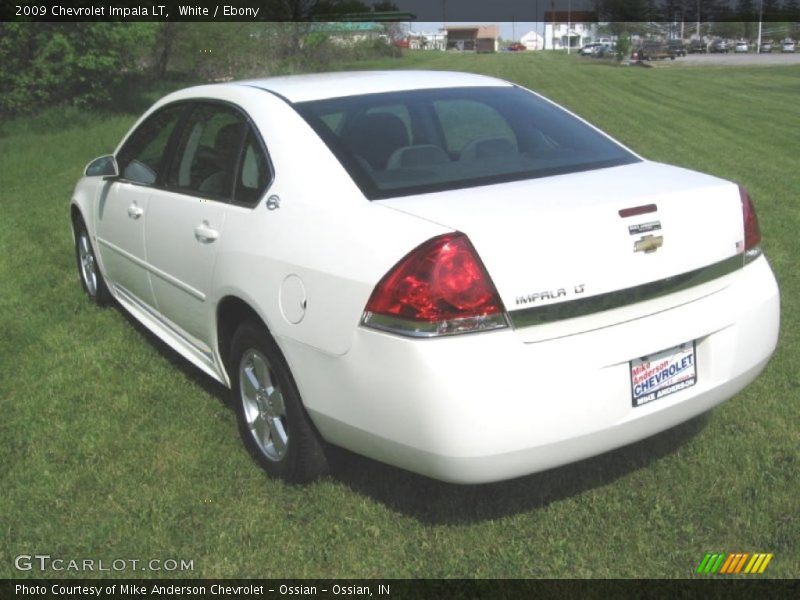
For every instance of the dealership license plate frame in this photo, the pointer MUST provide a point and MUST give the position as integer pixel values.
(657, 367)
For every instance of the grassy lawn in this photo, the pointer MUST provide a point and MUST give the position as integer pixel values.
(113, 448)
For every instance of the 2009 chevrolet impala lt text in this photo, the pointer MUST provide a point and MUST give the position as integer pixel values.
(442, 271)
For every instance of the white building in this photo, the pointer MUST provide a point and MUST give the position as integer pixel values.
(427, 40)
(532, 40)
(564, 29)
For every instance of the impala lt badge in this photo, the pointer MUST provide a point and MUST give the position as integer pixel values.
(538, 297)
(648, 244)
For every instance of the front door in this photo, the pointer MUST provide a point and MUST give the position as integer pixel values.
(123, 204)
(120, 238)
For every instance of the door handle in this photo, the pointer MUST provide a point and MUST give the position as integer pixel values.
(205, 233)
(134, 212)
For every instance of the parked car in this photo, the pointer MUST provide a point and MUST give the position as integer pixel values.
(787, 46)
(741, 47)
(698, 47)
(605, 51)
(589, 49)
(517, 47)
(765, 48)
(652, 50)
(676, 48)
(719, 46)
(442, 271)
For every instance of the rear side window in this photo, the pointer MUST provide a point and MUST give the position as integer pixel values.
(143, 157)
(208, 151)
(412, 142)
(254, 171)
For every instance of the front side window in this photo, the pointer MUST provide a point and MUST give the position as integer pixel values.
(413, 142)
(143, 157)
(207, 151)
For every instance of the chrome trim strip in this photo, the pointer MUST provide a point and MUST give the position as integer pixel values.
(421, 329)
(153, 314)
(154, 270)
(571, 309)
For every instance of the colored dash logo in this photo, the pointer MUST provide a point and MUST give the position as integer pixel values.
(733, 563)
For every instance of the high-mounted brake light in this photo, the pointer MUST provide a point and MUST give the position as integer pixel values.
(752, 232)
(440, 288)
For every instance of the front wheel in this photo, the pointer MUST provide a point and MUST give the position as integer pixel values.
(272, 421)
(89, 271)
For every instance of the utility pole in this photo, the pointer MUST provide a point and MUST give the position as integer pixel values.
(569, 26)
(760, 18)
(699, 37)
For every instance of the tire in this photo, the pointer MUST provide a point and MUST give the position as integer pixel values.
(272, 421)
(88, 270)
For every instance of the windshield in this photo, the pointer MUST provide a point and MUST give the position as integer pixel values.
(412, 142)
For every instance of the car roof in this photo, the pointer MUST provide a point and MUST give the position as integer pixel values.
(318, 86)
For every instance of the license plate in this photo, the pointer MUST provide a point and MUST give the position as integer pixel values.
(663, 373)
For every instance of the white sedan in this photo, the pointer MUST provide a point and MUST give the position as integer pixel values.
(443, 271)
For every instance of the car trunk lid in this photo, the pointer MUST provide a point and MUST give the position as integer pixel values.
(564, 259)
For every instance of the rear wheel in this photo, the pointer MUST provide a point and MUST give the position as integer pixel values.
(89, 271)
(272, 421)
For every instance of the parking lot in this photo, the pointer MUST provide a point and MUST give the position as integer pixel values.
(733, 59)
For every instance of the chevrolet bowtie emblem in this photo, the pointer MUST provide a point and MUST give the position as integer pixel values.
(648, 244)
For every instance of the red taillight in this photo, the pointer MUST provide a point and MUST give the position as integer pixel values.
(439, 288)
(752, 233)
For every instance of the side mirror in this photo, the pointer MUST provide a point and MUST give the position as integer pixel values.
(105, 166)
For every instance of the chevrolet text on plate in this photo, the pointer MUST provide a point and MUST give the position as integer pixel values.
(442, 271)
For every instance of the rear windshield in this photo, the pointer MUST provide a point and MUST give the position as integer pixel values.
(413, 142)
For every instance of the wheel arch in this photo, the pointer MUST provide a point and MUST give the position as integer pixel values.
(75, 216)
(232, 311)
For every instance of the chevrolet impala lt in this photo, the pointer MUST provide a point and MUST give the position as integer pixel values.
(442, 271)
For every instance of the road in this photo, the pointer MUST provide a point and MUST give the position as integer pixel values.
(733, 59)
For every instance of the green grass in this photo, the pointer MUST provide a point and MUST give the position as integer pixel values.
(111, 447)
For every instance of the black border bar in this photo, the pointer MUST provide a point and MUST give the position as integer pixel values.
(401, 589)
(449, 11)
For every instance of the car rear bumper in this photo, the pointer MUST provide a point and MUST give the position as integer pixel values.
(487, 407)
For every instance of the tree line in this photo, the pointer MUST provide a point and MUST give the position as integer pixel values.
(87, 63)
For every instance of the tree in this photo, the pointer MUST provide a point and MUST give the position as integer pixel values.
(619, 11)
(770, 9)
(384, 7)
(162, 51)
(623, 46)
(81, 63)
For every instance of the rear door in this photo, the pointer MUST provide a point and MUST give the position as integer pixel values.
(186, 219)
